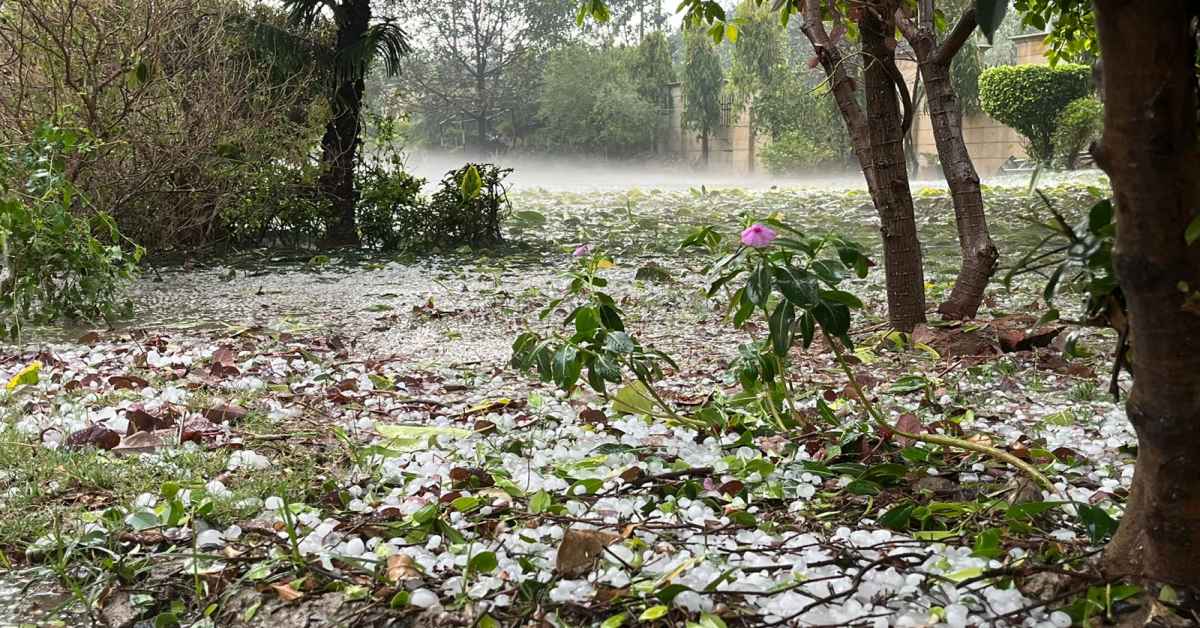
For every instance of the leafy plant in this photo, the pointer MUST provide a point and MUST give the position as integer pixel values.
(58, 258)
(600, 351)
(793, 282)
(795, 151)
(1029, 98)
(1080, 258)
(390, 204)
(1079, 123)
(452, 218)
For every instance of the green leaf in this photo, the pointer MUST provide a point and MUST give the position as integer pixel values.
(658, 611)
(483, 562)
(1100, 216)
(1100, 526)
(615, 621)
(845, 298)
(587, 321)
(830, 271)
(531, 217)
(471, 183)
(619, 342)
(780, 325)
(1193, 231)
(142, 520)
(758, 288)
(987, 544)
(539, 503)
(989, 14)
(634, 399)
(466, 503)
(412, 437)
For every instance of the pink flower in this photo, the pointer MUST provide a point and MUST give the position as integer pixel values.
(583, 250)
(758, 236)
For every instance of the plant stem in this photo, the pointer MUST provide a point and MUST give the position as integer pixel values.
(933, 439)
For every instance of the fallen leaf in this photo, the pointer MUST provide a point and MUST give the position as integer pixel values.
(144, 442)
(286, 592)
(908, 423)
(401, 568)
(579, 550)
(224, 413)
(130, 382)
(142, 421)
(94, 436)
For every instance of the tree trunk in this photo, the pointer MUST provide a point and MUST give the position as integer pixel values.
(893, 199)
(1149, 150)
(979, 255)
(339, 144)
(883, 134)
(704, 147)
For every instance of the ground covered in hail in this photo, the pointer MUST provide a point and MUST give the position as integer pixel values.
(344, 442)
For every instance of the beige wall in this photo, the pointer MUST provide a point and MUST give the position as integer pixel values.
(728, 146)
(989, 142)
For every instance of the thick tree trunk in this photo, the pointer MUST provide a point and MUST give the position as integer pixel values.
(883, 134)
(339, 144)
(1150, 151)
(979, 255)
(893, 198)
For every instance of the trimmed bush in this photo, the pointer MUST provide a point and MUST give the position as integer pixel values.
(455, 217)
(1077, 125)
(1029, 98)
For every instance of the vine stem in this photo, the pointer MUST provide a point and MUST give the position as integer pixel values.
(933, 439)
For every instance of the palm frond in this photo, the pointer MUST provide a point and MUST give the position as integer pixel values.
(306, 13)
(384, 41)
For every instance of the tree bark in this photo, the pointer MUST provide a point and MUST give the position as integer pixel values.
(340, 143)
(979, 255)
(1149, 150)
(890, 193)
(893, 198)
(704, 147)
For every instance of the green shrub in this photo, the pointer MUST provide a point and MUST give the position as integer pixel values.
(276, 202)
(1029, 98)
(390, 209)
(57, 260)
(1078, 124)
(455, 217)
(794, 152)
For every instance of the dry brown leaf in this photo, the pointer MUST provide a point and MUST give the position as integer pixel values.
(286, 592)
(401, 568)
(579, 549)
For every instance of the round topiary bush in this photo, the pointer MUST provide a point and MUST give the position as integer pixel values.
(1029, 98)
(1078, 124)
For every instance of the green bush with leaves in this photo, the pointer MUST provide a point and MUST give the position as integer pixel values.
(58, 257)
(390, 205)
(1029, 98)
(1077, 125)
(468, 208)
(795, 152)
(277, 203)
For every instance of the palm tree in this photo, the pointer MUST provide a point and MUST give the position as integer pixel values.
(359, 41)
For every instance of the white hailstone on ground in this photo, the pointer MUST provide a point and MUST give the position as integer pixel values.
(352, 547)
(217, 489)
(572, 591)
(209, 539)
(424, 598)
(247, 459)
(233, 533)
(1060, 619)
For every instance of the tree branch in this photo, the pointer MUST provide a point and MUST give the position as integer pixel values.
(965, 27)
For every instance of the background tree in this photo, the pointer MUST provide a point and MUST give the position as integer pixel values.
(589, 102)
(703, 83)
(652, 73)
(758, 60)
(934, 61)
(359, 40)
(470, 52)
